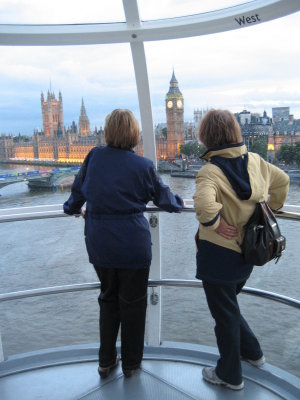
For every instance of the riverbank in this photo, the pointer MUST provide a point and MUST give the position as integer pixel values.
(41, 163)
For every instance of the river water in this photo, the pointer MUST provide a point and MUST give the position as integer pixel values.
(51, 252)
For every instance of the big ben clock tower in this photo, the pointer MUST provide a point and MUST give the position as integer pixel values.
(175, 122)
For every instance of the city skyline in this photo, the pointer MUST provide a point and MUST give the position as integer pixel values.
(256, 68)
(159, 123)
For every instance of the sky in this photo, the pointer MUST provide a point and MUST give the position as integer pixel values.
(255, 68)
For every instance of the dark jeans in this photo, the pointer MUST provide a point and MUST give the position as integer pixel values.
(123, 302)
(235, 339)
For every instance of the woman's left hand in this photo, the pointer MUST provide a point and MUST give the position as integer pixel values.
(82, 213)
(226, 230)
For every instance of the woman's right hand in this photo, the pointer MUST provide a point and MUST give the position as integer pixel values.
(225, 230)
(82, 213)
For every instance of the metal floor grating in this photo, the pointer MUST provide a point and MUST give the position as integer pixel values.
(172, 371)
(141, 386)
(171, 380)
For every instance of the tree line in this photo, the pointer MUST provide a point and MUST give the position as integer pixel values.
(287, 154)
(195, 149)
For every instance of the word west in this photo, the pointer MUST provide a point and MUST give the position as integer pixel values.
(247, 20)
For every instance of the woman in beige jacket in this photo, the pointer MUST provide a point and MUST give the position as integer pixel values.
(227, 190)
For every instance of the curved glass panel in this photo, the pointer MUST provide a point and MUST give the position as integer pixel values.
(60, 12)
(52, 252)
(184, 307)
(275, 325)
(253, 69)
(158, 9)
(89, 73)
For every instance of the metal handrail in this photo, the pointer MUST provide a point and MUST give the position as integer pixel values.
(56, 211)
(185, 283)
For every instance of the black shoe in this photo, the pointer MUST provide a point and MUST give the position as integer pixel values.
(104, 372)
(129, 372)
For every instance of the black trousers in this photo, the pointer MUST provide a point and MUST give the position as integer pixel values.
(235, 339)
(123, 302)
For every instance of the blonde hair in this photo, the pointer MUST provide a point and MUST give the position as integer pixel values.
(218, 128)
(122, 129)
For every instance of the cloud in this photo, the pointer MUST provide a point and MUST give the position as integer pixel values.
(177, 8)
(257, 68)
(251, 67)
(60, 12)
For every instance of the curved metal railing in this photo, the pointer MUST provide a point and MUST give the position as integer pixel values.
(56, 211)
(186, 283)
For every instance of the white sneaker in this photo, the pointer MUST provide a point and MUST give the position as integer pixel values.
(257, 363)
(209, 375)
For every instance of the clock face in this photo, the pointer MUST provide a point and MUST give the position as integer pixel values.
(179, 104)
(170, 104)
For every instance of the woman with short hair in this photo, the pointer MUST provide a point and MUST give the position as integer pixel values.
(116, 185)
(227, 190)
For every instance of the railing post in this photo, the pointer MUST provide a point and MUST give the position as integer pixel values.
(154, 294)
(142, 83)
(1, 350)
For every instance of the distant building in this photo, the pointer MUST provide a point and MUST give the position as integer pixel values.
(169, 136)
(160, 130)
(55, 143)
(71, 145)
(84, 123)
(280, 114)
(253, 126)
(265, 119)
(190, 133)
(52, 115)
(6, 147)
(285, 130)
(245, 117)
(175, 118)
(198, 115)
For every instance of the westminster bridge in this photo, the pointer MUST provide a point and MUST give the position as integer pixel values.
(38, 178)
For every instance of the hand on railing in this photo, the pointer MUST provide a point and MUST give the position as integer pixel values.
(82, 213)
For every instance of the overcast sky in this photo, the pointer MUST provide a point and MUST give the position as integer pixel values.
(256, 68)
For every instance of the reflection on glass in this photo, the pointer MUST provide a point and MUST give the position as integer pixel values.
(252, 69)
(158, 9)
(102, 76)
(60, 12)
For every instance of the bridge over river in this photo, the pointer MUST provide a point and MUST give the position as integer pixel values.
(39, 178)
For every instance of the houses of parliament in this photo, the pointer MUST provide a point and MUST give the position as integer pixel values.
(57, 144)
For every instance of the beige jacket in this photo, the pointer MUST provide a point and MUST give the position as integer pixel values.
(214, 196)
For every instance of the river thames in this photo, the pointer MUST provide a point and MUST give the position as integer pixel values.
(51, 252)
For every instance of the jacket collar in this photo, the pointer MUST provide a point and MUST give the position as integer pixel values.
(228, 151)
(120, 148)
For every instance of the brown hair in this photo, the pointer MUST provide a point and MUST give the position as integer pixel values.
(218, 128)
(122, 129)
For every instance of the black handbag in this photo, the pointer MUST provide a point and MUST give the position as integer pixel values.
(263, 240)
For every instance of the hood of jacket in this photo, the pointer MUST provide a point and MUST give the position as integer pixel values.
(244, 177)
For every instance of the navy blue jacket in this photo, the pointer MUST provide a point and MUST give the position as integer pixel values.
(116, 185)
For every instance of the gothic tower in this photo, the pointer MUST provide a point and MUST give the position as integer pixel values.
(175, 119)
(84, 123)
(52, 114)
